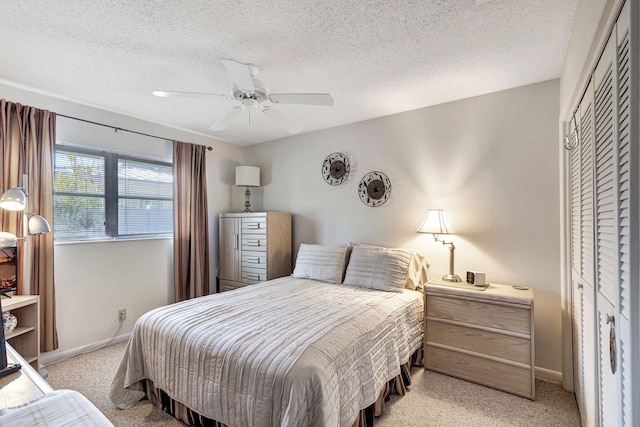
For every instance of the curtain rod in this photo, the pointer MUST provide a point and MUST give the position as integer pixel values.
(117, 128)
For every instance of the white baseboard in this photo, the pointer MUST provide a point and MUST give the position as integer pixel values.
(56, 356)
(548, 374)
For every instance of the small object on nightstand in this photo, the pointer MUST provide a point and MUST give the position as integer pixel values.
(476, 278)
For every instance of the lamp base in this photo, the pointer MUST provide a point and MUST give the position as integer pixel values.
(247, 203)
(451, 278)
(10, 369)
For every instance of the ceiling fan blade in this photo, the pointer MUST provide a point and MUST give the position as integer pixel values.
(230, 117)
(176, 94)
(282, 120)
(301, 98)
(240, 74)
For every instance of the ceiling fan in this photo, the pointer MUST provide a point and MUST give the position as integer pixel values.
(254, 96)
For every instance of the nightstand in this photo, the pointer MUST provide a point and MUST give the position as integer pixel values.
(484, 336)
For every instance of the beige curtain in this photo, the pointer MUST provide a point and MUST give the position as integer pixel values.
(27, 143)
(190, 221)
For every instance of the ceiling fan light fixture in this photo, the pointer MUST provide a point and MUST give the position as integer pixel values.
(252, 93)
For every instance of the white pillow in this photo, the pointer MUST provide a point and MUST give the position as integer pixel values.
(417, 275)
(418, 267)
(378, 268)
(320, 262)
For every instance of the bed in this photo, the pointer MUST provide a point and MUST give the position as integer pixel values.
(313, 349)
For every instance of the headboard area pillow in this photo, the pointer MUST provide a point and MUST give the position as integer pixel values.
(417, 275)
(378, 268)
(418, 266)
(320, 262)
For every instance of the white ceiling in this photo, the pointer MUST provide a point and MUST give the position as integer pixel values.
(375, 57)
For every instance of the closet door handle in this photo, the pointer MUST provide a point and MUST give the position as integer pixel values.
(236, 243)
(613, 356)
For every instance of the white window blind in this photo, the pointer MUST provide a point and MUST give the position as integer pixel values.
(79, 195)
(107, 195)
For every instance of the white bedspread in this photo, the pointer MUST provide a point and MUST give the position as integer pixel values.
(290, 352)
(59, 408)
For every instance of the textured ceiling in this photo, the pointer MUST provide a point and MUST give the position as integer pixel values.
(374, 57)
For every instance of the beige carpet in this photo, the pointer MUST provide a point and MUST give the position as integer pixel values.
(433, 399)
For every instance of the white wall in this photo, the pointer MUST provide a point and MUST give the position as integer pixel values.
(490, 161)
(94, 280)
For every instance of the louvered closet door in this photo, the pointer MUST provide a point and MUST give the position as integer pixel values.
(612, 232)
(605, 234)
(626, 273)
(606, 239)
(576, 283)
(583, 271)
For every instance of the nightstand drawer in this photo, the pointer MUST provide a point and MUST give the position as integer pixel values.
(499, 316)
(491, 373)
(509, 347)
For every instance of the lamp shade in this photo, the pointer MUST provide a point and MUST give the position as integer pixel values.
(435, 222)
(38, 225)
(7, 239)
(247, 176)
(13, 199)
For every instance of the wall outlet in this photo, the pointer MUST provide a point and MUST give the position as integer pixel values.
(122, 314)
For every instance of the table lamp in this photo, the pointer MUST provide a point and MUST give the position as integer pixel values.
(247, 176)
(435, 222)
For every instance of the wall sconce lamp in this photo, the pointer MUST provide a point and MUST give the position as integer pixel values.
(247, 176)
(15, 199)
(435, 222)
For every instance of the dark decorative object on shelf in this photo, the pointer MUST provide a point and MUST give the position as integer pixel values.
(335, 168)
(374, 189)
(5, 367)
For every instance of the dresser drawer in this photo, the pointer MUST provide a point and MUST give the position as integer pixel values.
(254, 259)
(253, 276)
(499, 316)
(482, 341)
(254, 225)
(255, 243)
(491, 373)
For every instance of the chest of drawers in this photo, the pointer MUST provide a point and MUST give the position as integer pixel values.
(254, 247)
(482, 336)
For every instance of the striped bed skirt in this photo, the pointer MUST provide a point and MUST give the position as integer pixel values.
(366, 416)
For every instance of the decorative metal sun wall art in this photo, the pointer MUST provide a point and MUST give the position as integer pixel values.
(374, 189)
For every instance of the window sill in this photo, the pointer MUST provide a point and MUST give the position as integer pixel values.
(110, 240)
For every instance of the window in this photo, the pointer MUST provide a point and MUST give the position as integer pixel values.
(107, 195)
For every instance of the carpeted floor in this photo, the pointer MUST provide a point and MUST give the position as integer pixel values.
(433, 399)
